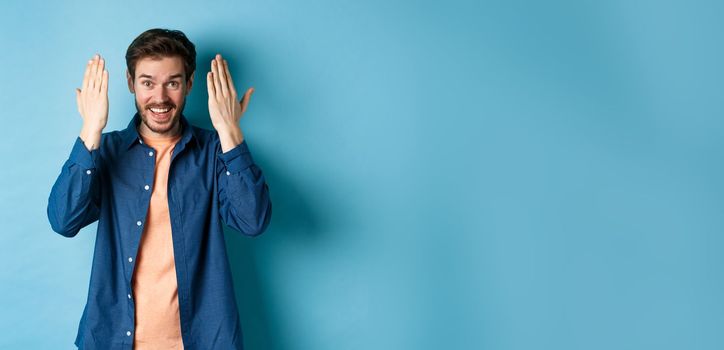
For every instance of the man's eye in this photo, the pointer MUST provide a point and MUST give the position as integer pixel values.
(146, 83)
(174, 84)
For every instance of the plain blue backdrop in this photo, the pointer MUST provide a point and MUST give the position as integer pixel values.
(500, 175)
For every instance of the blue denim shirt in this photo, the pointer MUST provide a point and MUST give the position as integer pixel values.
(205, 189)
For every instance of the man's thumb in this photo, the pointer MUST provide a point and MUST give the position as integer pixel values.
(77, 99)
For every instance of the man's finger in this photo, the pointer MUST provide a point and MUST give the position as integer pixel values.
(99, 74)
(104, 83)
(210, 85)
(86, 75)
(232, 89)
(222, 76)
(93, 72)
(217, 83)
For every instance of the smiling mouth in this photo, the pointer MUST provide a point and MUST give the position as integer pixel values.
(161, 113)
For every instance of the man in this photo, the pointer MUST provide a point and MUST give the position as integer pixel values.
(160, 191)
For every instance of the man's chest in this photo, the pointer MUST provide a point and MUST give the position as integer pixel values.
(137, 176)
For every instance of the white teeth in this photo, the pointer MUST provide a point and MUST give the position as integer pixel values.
(156, 110)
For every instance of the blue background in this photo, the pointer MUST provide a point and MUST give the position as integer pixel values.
(445, 175)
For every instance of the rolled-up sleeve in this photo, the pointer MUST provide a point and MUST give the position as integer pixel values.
(74, 199)
(244, 202)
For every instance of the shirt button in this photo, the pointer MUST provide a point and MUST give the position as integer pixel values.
(130, 259)
(128, 333)
(228, 173)
(150, 154)
(129, 296)
(88, 172)
(146, 187)
(138, 223)
(140, 141)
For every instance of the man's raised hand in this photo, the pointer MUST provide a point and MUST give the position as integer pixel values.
(224, 108)
(92, 100)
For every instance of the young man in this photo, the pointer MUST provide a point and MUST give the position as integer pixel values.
(160, 190)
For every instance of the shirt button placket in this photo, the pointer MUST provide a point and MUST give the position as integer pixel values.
(128, 333)
(138, 223)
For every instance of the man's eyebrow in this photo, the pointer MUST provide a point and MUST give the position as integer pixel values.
(169, 78)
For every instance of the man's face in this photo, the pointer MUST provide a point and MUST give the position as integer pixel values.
(161, 89)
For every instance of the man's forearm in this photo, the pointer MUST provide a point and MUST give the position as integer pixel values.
(74, 200)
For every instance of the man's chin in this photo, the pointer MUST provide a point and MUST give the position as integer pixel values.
(160, 127)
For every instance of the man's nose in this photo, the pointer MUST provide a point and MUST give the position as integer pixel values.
(160, 94)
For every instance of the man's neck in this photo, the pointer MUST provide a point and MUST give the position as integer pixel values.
(144, 131)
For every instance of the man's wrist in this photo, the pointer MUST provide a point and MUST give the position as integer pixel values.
(230, 137)
(91, 137)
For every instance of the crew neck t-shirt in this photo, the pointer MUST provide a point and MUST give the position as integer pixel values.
(154, 283)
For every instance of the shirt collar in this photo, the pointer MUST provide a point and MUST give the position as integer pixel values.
(130, 134)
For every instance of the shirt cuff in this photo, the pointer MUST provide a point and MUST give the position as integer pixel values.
(237, 158)
(82, 156)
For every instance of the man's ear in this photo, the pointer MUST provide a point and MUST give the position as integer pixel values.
(130, 82)
(190, 84)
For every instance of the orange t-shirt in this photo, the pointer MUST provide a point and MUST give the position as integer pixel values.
(155, 288)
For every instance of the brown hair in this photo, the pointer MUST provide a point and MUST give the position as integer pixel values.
(158, 43)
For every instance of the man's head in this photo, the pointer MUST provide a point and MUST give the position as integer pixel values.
(161, 65)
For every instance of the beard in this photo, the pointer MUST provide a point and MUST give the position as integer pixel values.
(164, 127)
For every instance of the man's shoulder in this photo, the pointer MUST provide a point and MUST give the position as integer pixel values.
(204, 133)
(111, 140)
(114, 135)
(207, 139)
